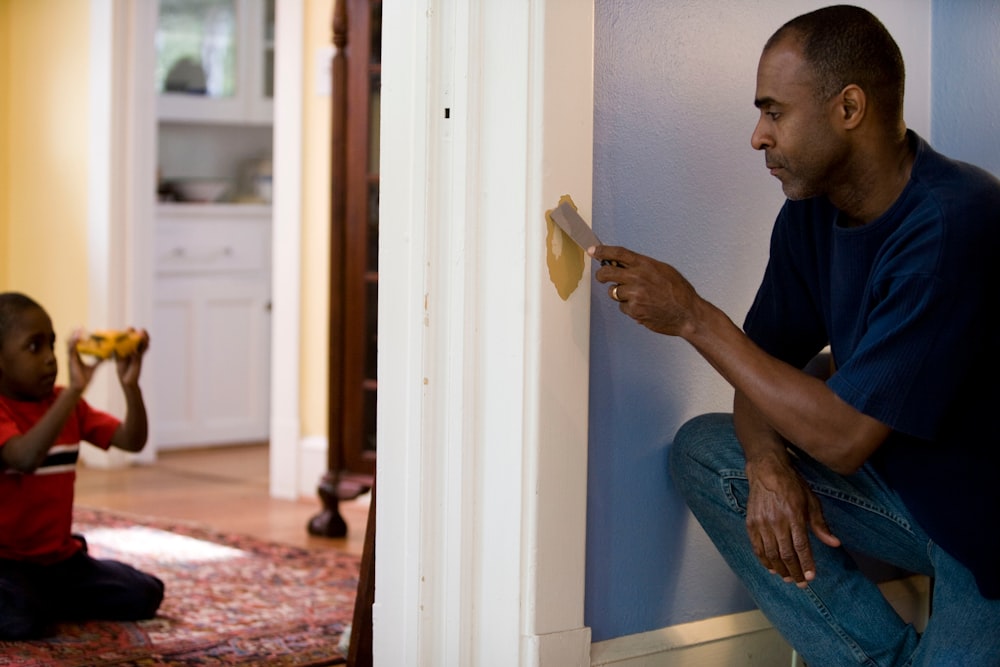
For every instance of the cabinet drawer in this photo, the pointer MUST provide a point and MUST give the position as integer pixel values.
(211, 247)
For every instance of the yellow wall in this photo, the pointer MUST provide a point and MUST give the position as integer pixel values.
(4, 125)
(44, 73)
(44, 70)
(315, 225)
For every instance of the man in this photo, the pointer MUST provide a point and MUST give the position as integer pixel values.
(887, 252)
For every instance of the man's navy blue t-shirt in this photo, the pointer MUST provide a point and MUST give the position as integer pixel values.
(906, 304)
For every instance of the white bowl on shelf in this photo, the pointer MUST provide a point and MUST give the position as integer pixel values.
(204, 190)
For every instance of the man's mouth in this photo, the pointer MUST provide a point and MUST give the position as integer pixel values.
(771, 165)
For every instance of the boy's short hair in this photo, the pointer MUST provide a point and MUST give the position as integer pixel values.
(12, 304)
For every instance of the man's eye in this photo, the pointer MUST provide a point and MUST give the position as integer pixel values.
(773, 115)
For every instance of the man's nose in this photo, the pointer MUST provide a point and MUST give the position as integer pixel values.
(760, 139)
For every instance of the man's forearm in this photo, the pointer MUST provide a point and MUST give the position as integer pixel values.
(759, 440)
(799, 407)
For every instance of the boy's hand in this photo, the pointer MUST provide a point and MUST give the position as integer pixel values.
(80, 372)
(130, 366)
(131, 436)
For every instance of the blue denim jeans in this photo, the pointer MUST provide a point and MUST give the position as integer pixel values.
(841, 617)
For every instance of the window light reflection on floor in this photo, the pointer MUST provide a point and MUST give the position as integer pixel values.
(159, 544)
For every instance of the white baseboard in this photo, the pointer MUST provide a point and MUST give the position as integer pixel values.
(312, 464)
(569, 648)
(737, 640)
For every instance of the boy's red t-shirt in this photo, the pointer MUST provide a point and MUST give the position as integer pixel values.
(36, 509)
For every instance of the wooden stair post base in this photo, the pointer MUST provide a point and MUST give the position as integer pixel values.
(359, 653)
(332, 489)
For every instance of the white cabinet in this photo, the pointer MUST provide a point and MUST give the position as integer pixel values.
(215, 61)
(210, 340)
(212, 283)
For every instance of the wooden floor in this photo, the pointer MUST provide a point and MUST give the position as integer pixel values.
(223, 487)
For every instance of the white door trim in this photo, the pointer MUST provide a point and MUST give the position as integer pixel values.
(286, 238)
(122, 173)
(483, 369)
(123, 208)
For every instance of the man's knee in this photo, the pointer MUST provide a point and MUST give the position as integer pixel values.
(702, 445)
(701, 435)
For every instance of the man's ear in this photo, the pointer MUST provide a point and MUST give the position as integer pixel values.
(852, 104)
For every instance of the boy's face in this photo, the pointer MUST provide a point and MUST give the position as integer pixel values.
(27, 357)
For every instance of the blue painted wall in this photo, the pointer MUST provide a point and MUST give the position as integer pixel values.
(675, 177)
(965, 79)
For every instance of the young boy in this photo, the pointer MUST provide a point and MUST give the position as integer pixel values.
(46, 575)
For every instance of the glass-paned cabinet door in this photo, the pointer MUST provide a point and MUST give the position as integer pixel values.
(214, 60)
(196, 43)
(267, 51)
(261, 73)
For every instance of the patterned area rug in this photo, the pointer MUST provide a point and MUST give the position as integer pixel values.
(230, 600)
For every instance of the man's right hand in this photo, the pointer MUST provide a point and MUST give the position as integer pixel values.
(781, 512)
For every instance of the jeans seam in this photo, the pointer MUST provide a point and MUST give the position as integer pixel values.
(852, 645)
(836, 494)
(726, 476)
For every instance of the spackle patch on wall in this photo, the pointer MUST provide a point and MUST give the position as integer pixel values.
(564, 258)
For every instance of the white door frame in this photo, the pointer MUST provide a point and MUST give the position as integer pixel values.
(286, 238)
(121, 173)
(487, 119)
(123, 208)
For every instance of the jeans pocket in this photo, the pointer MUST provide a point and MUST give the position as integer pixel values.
(736, 489)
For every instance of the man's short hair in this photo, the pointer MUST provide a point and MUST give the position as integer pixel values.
(847, 45)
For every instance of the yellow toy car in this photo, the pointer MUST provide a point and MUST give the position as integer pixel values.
(107, 342)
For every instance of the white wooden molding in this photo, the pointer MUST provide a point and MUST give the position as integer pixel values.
(286, 251)
(483, 368)
(737, 639)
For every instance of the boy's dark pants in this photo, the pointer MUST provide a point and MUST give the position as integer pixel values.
(33, 597)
